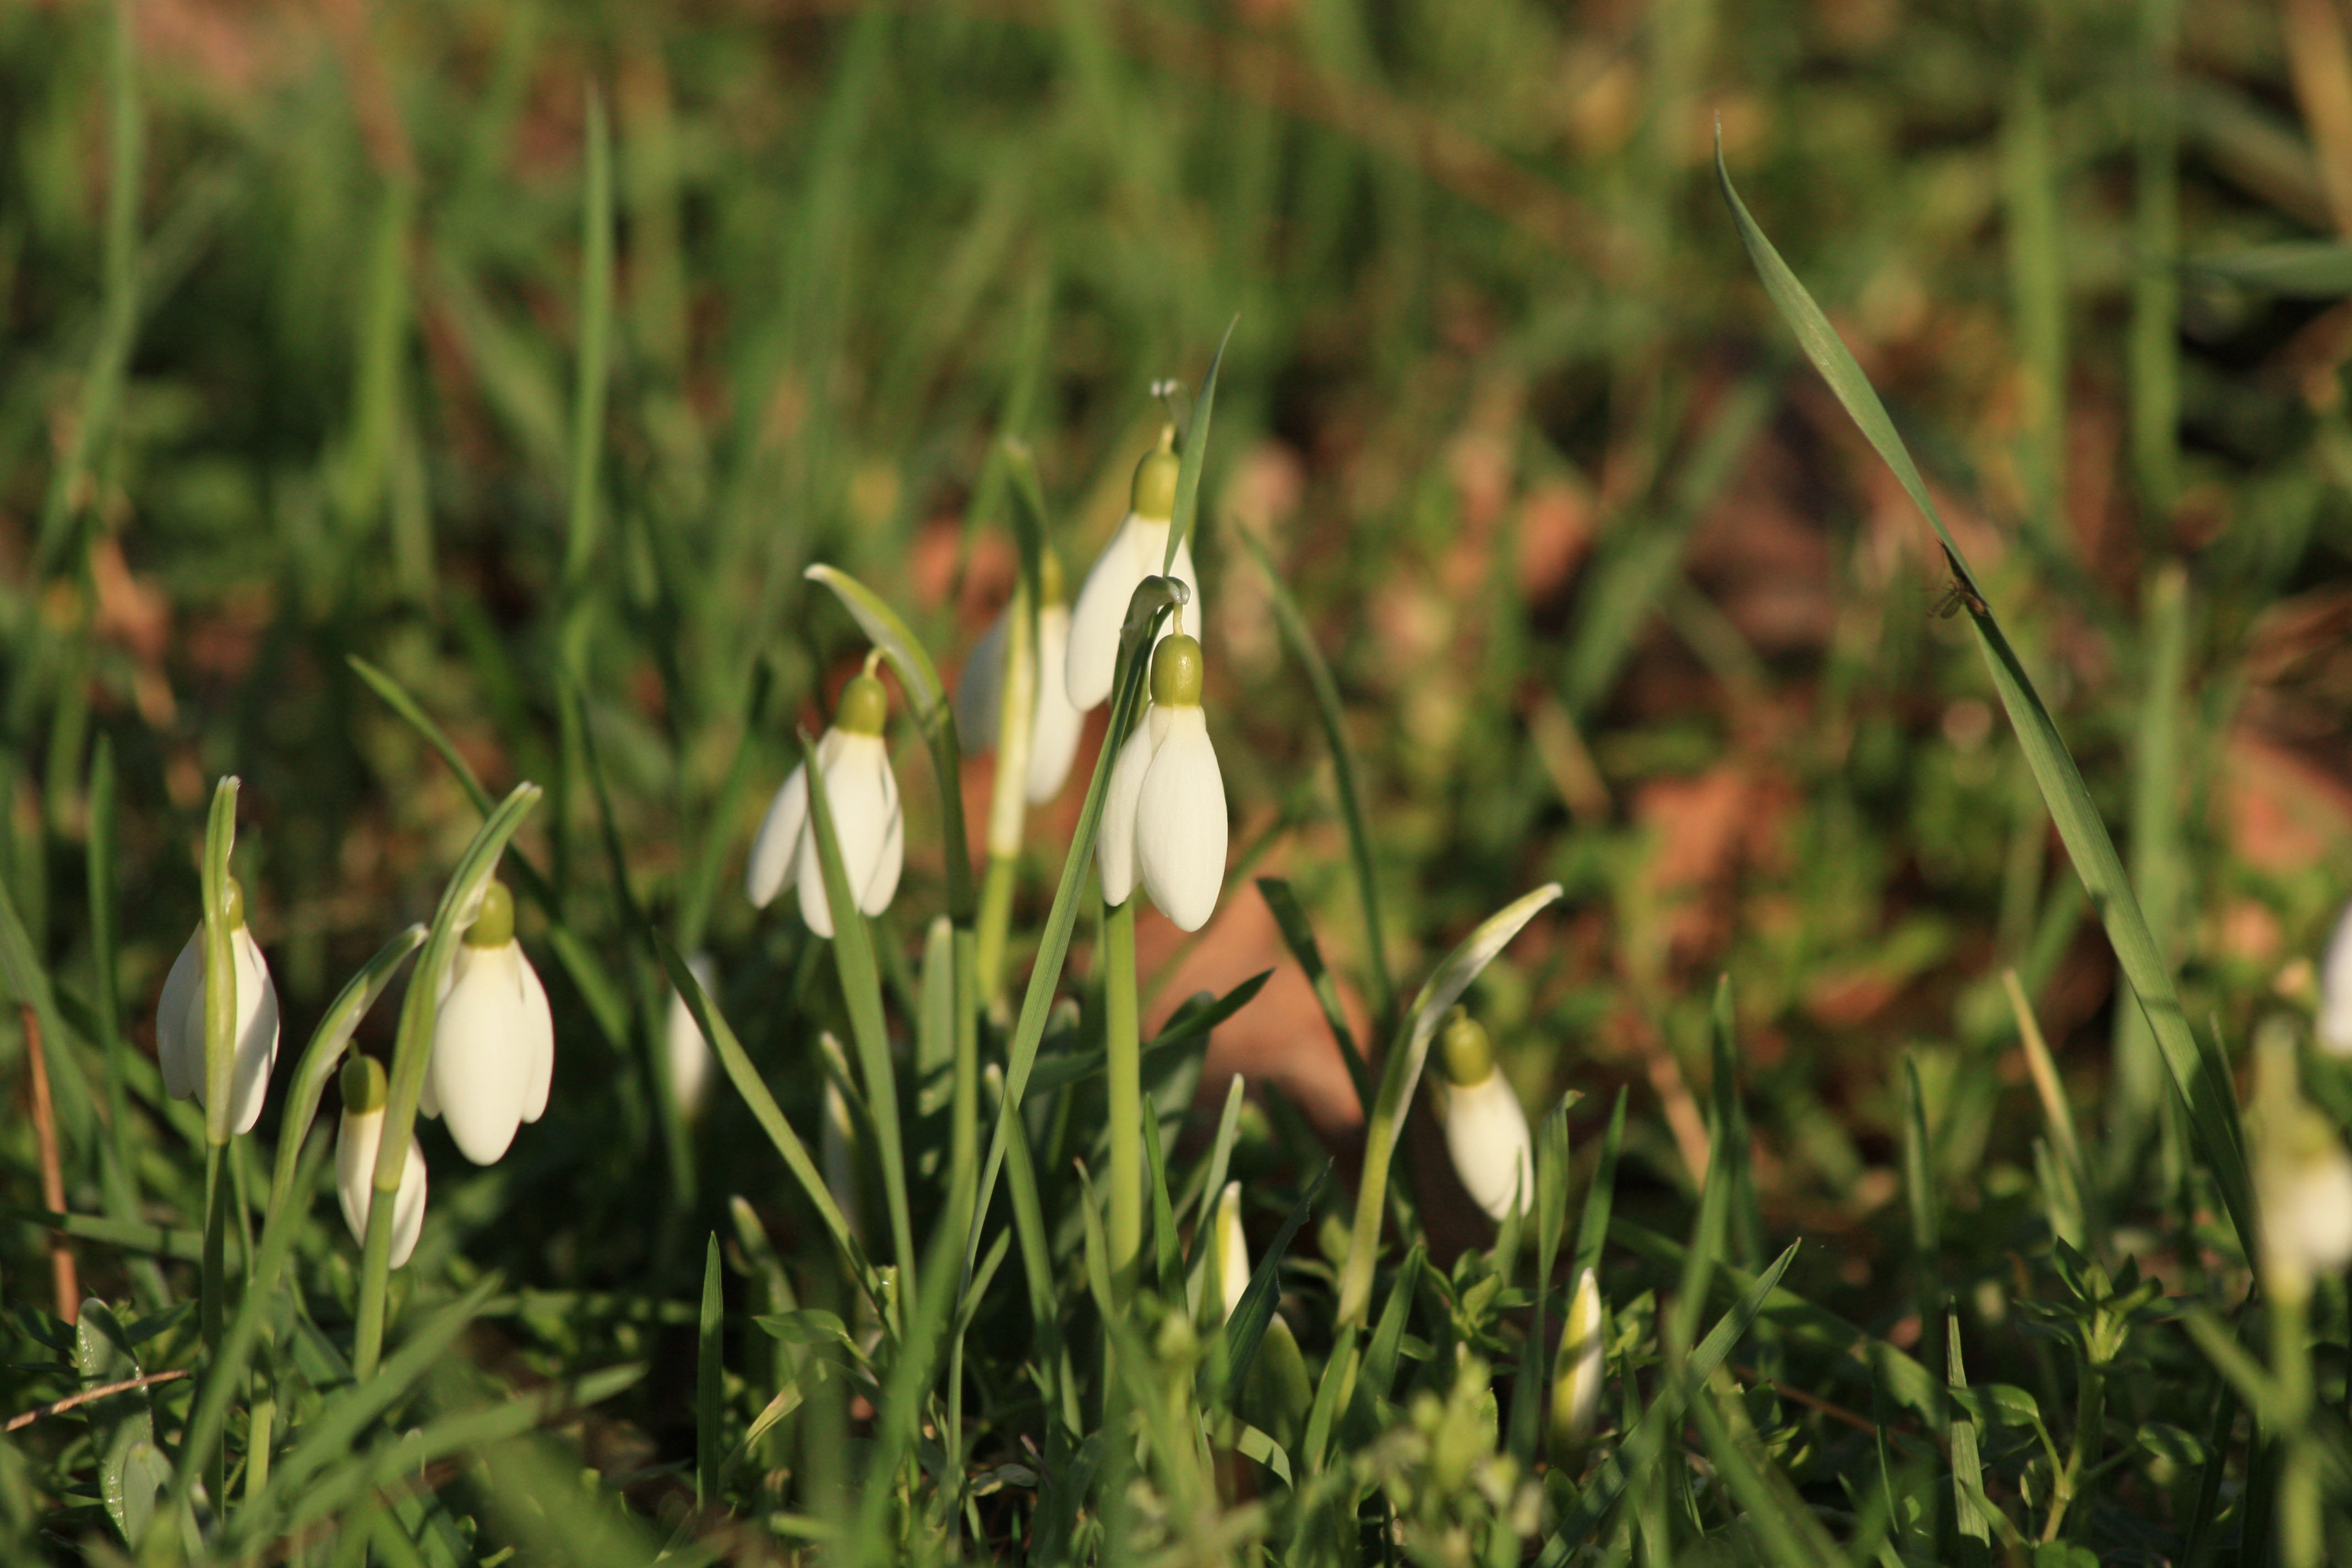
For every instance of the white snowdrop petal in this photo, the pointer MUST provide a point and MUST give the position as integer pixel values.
(837, 1147)
(882, 886)
(538, 1036)
(778, 844)
(687, 1052)
(1233, 1248)
(256, 1032)
(1053, 733)
(1091, 660)
(355, 1150)
(1180, 822)
(482, 1064)
(1486, 1134)
(1114, 837)
(183, 994)
(981, 688)
(2313, 1227)
(854, 770)
(2335, 990)
(355, 1145)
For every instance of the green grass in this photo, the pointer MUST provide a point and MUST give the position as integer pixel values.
(406, 412)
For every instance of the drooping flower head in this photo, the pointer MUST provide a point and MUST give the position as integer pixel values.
(1485, 1130)
(356, 1141)
(179, 1020)
(1163, 818)
(866, 823)
(494, 1040)
(2302, 1176)
(1054, 725)
(1134, 553)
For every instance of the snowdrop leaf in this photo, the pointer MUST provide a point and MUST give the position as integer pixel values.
(885, 629)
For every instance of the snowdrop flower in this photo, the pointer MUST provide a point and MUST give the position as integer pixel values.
(1486, 1130)
(494, 1042)
(865, 818)
(1576, 1375)
(1054, 725)
(2335, 990)
(688, 1052)
(179, 1020)
(2303, 1178)
(1134, 553)
(355, 1150)
(1164, 818)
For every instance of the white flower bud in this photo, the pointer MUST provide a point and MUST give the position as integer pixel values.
(356, 1141)
(180, 1021)
(2303, 1178)
(1485, 1130)
(687, 1052)
(2335, 990)
(1163, 819)
(1576, 1373)
(1232, 1251)
(1134, 552)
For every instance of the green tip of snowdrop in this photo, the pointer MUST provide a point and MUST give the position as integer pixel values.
(1485, 1129)
(867, 820)
(493, 1040)
(1163, 822)
(356, 1140)
(180, 1019)
(1136, 551)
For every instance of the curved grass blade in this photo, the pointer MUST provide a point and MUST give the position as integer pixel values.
(1402, 1073)
(1196, 451)
(1328, 711)
(324, 1053)
(2198, 1070)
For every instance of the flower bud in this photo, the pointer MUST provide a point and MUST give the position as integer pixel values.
(2335, 990)
(180, 1019)
(687, 1053)
(2303, 1178)
(1485, 1129)
(493, 1056)
(1576, 1375)
(356, 1142)
(866, 822)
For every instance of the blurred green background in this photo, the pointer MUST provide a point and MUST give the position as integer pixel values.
(290, 323)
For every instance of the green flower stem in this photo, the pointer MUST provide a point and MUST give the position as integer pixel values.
(2302, 1539)
(2082, 1458)
(1123, 1044)
(411, 1050)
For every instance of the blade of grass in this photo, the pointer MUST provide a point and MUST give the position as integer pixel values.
(2199, 1074)
(1593, 1227)
(1292, 625)
(1184, 518)
(1298, 935)
(594, 365)
(710, 1371)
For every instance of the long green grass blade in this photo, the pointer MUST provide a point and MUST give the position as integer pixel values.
(1184, 518)
(2198, 1070)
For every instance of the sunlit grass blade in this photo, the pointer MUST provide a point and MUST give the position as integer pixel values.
(1790, 1536)
(1970, 1517)
(2196, 1068)
(1592, 1226)
(1300, 641)
(1400, 1075)
(710, 1372)
(2291, 269)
